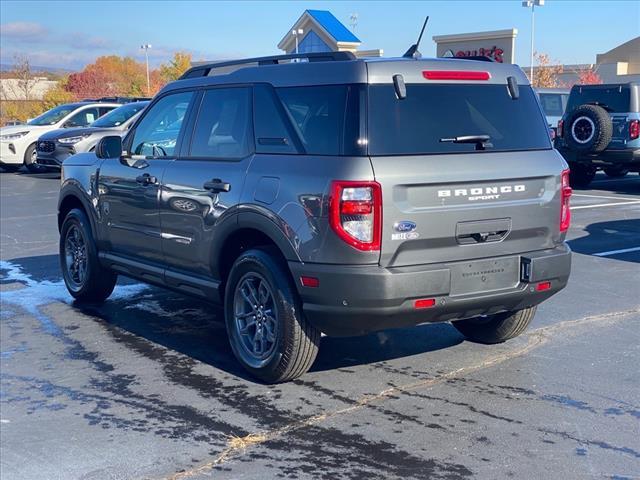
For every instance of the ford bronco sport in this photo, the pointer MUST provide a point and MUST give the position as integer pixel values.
(600, 129)
(323, 193)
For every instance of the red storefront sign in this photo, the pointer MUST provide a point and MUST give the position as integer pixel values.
(493, 52)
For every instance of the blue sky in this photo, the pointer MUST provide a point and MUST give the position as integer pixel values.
(70, 34)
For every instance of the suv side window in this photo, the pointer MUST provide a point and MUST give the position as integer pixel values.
(326, 117)
(157, 133)
(83, 118)
(223, 126)
(272, 134)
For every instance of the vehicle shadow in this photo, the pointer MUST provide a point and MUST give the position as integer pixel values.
(196, 328)
(627, 185)
(609, 236)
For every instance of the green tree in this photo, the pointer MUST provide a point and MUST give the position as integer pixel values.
(174, 68)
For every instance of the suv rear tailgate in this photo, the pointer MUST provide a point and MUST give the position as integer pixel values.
(448, 208)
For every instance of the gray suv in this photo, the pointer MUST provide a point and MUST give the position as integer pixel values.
(323, 193)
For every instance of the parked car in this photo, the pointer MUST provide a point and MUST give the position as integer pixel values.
(328, 194)
(554, 102)
(18, 143)
(600, 129)
(55, 146)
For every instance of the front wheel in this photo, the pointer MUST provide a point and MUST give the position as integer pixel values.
(30, 158)
(85, 278)
(267, 330)
(496, 328)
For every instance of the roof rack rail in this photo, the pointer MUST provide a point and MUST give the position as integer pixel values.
(205, 69)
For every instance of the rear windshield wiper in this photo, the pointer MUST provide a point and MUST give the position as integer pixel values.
(481, 141)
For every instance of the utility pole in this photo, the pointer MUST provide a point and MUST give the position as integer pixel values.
(532, 4)
(146, 48)
(296, 33)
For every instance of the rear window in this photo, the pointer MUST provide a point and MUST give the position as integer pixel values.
(553, 103)
(416, 124)
(614, 99)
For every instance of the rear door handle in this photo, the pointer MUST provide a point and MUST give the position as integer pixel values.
(146, 179)
(216, 186)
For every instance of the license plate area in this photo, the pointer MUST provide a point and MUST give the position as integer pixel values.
(484, 275)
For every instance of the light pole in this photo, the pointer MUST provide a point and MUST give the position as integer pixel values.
(146, 48)
(532, 4)
(296, 34)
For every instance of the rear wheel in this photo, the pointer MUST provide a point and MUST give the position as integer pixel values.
(581, 175)
(615, 172)
(496, 328)
(267, 330)
(83, 275)
(30, 156)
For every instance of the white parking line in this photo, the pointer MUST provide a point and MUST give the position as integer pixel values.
(615, 252)
(614, 204)
(603, 196)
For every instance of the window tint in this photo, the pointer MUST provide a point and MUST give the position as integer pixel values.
(326, 118)
(416, 124)
(157, 133)
(552, 104)
(271, 133)
(224, 124)
(83, 118)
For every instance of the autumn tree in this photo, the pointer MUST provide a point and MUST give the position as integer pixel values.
(109, 76)
(547, 73)
(174, 68)
(588, 76)
(57, 95)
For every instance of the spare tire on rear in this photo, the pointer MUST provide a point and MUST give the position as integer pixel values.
(589, 129)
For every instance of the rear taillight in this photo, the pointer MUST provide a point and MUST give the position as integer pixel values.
(634, 129)
(355, 213)
(560, 131)
(565, 211)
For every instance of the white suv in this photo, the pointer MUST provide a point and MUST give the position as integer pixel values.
(18, 142)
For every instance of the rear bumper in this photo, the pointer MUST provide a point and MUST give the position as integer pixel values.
(627, 158)
(355, 300)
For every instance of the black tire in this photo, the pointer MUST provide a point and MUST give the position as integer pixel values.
(581, 175)
(97, 282)
(615, 172)
(294, 341)
(496, 328)
(30, 160)
(589, 129)
(10, 167)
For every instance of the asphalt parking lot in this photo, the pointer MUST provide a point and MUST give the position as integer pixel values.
(146, 387)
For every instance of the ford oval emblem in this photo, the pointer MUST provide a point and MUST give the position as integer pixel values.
(404, 226)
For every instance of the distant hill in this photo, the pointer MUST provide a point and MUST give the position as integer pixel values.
(6, 67)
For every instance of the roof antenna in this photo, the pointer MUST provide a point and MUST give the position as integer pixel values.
(413, 49)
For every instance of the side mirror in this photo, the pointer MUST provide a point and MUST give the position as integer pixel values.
(109, 147)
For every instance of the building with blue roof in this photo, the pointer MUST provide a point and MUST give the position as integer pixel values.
(321, 31)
